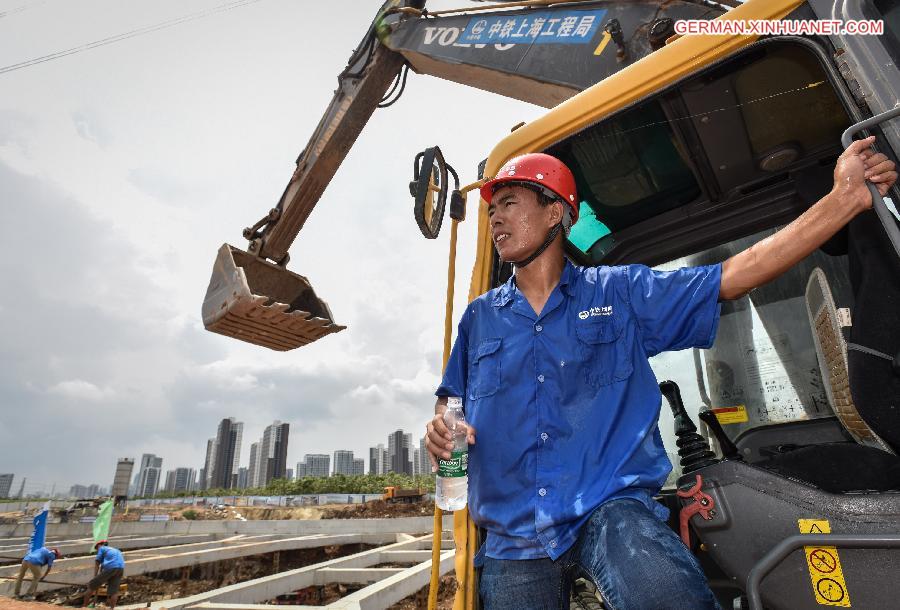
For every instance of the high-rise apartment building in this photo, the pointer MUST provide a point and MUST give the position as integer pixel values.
(6, 481)
(301, 470)
(180, 479)
(379, 460)
(149, 476)
(375, 460)
(343, 462)
(416, 463)
(271, 454)
(206, 471)
(399, 452)
(359, 466)
(124, 468)
(253, 466)
(317, 464)
(424, 462)
(227, 451)
(84, 491)
(410, 452)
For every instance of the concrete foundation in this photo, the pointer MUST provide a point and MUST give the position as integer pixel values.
(153, 547)
(392, 586)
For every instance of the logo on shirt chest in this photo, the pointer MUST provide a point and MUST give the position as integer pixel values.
(606, 310)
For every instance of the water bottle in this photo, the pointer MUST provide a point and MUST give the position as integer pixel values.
(452, 483)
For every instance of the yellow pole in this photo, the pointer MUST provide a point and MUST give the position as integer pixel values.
(451, 280)
(448, 334)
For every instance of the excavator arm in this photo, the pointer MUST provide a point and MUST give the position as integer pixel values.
(542, 52)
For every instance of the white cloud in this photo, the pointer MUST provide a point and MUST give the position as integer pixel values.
(80, 390)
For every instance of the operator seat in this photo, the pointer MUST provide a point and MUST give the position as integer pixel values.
(868, 408)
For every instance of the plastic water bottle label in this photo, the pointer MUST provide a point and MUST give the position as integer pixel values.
(456, 466)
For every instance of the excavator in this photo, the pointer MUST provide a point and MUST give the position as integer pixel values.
(686, 149)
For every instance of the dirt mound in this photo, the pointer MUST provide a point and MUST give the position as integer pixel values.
(379, 509)
(419, 599)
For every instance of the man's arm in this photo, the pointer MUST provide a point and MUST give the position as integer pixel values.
(769, 258)
(49, 567)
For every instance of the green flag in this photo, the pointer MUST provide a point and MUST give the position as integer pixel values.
(101, 525)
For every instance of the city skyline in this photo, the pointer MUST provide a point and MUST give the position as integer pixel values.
(162, 469)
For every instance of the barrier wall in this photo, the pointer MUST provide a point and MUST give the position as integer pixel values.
(298, 527)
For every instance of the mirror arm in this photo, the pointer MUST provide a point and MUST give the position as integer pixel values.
(458, 197)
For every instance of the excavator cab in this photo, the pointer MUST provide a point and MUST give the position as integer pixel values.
(685, 150)
(789, 489)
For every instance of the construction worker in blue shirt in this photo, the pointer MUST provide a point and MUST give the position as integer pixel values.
(109, 567)
(553, 369)
(33, 562)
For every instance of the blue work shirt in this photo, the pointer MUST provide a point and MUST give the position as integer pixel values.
(110, 558)
(40, 557)
(565, 404)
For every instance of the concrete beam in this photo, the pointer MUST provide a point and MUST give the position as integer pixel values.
(374, 597)
(407, 556)
(353, 576)
(270, 587)
(80, 570)
(391, 590)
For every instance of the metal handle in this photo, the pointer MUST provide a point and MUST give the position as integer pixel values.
(878, 204)
(789, 545)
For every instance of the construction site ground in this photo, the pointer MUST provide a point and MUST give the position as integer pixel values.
(182, 583)
(146, 588)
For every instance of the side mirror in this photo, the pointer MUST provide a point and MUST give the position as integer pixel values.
(429, 188)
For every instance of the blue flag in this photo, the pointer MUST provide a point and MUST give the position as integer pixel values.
(39, 535)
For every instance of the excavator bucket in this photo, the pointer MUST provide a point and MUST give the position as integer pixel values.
(256, 301)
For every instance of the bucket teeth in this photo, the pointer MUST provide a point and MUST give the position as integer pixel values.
(261, 303)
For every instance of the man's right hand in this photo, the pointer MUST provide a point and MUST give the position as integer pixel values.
(439, 441)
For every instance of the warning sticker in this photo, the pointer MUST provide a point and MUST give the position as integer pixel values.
(829, 586)
(731, 415)
(814, 526)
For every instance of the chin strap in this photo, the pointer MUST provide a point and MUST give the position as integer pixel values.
(550, 237)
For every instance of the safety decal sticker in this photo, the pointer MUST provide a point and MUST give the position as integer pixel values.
(829, 586)
(731, 415)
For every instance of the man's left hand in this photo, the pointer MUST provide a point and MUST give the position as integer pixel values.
(857, 164)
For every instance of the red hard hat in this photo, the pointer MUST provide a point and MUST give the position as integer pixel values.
(537, 168)
(99, 543)
(56, 552)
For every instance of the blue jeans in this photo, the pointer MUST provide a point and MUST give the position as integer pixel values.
(636, 561)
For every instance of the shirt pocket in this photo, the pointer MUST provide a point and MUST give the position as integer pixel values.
(484, 376)
(605, 353)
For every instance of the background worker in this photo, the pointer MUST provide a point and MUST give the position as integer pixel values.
(553, 367)
(33, 562)
(109, 567)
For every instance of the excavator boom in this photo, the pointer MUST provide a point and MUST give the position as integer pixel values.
(543, 53)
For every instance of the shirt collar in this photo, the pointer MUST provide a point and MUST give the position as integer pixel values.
(505, 292)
